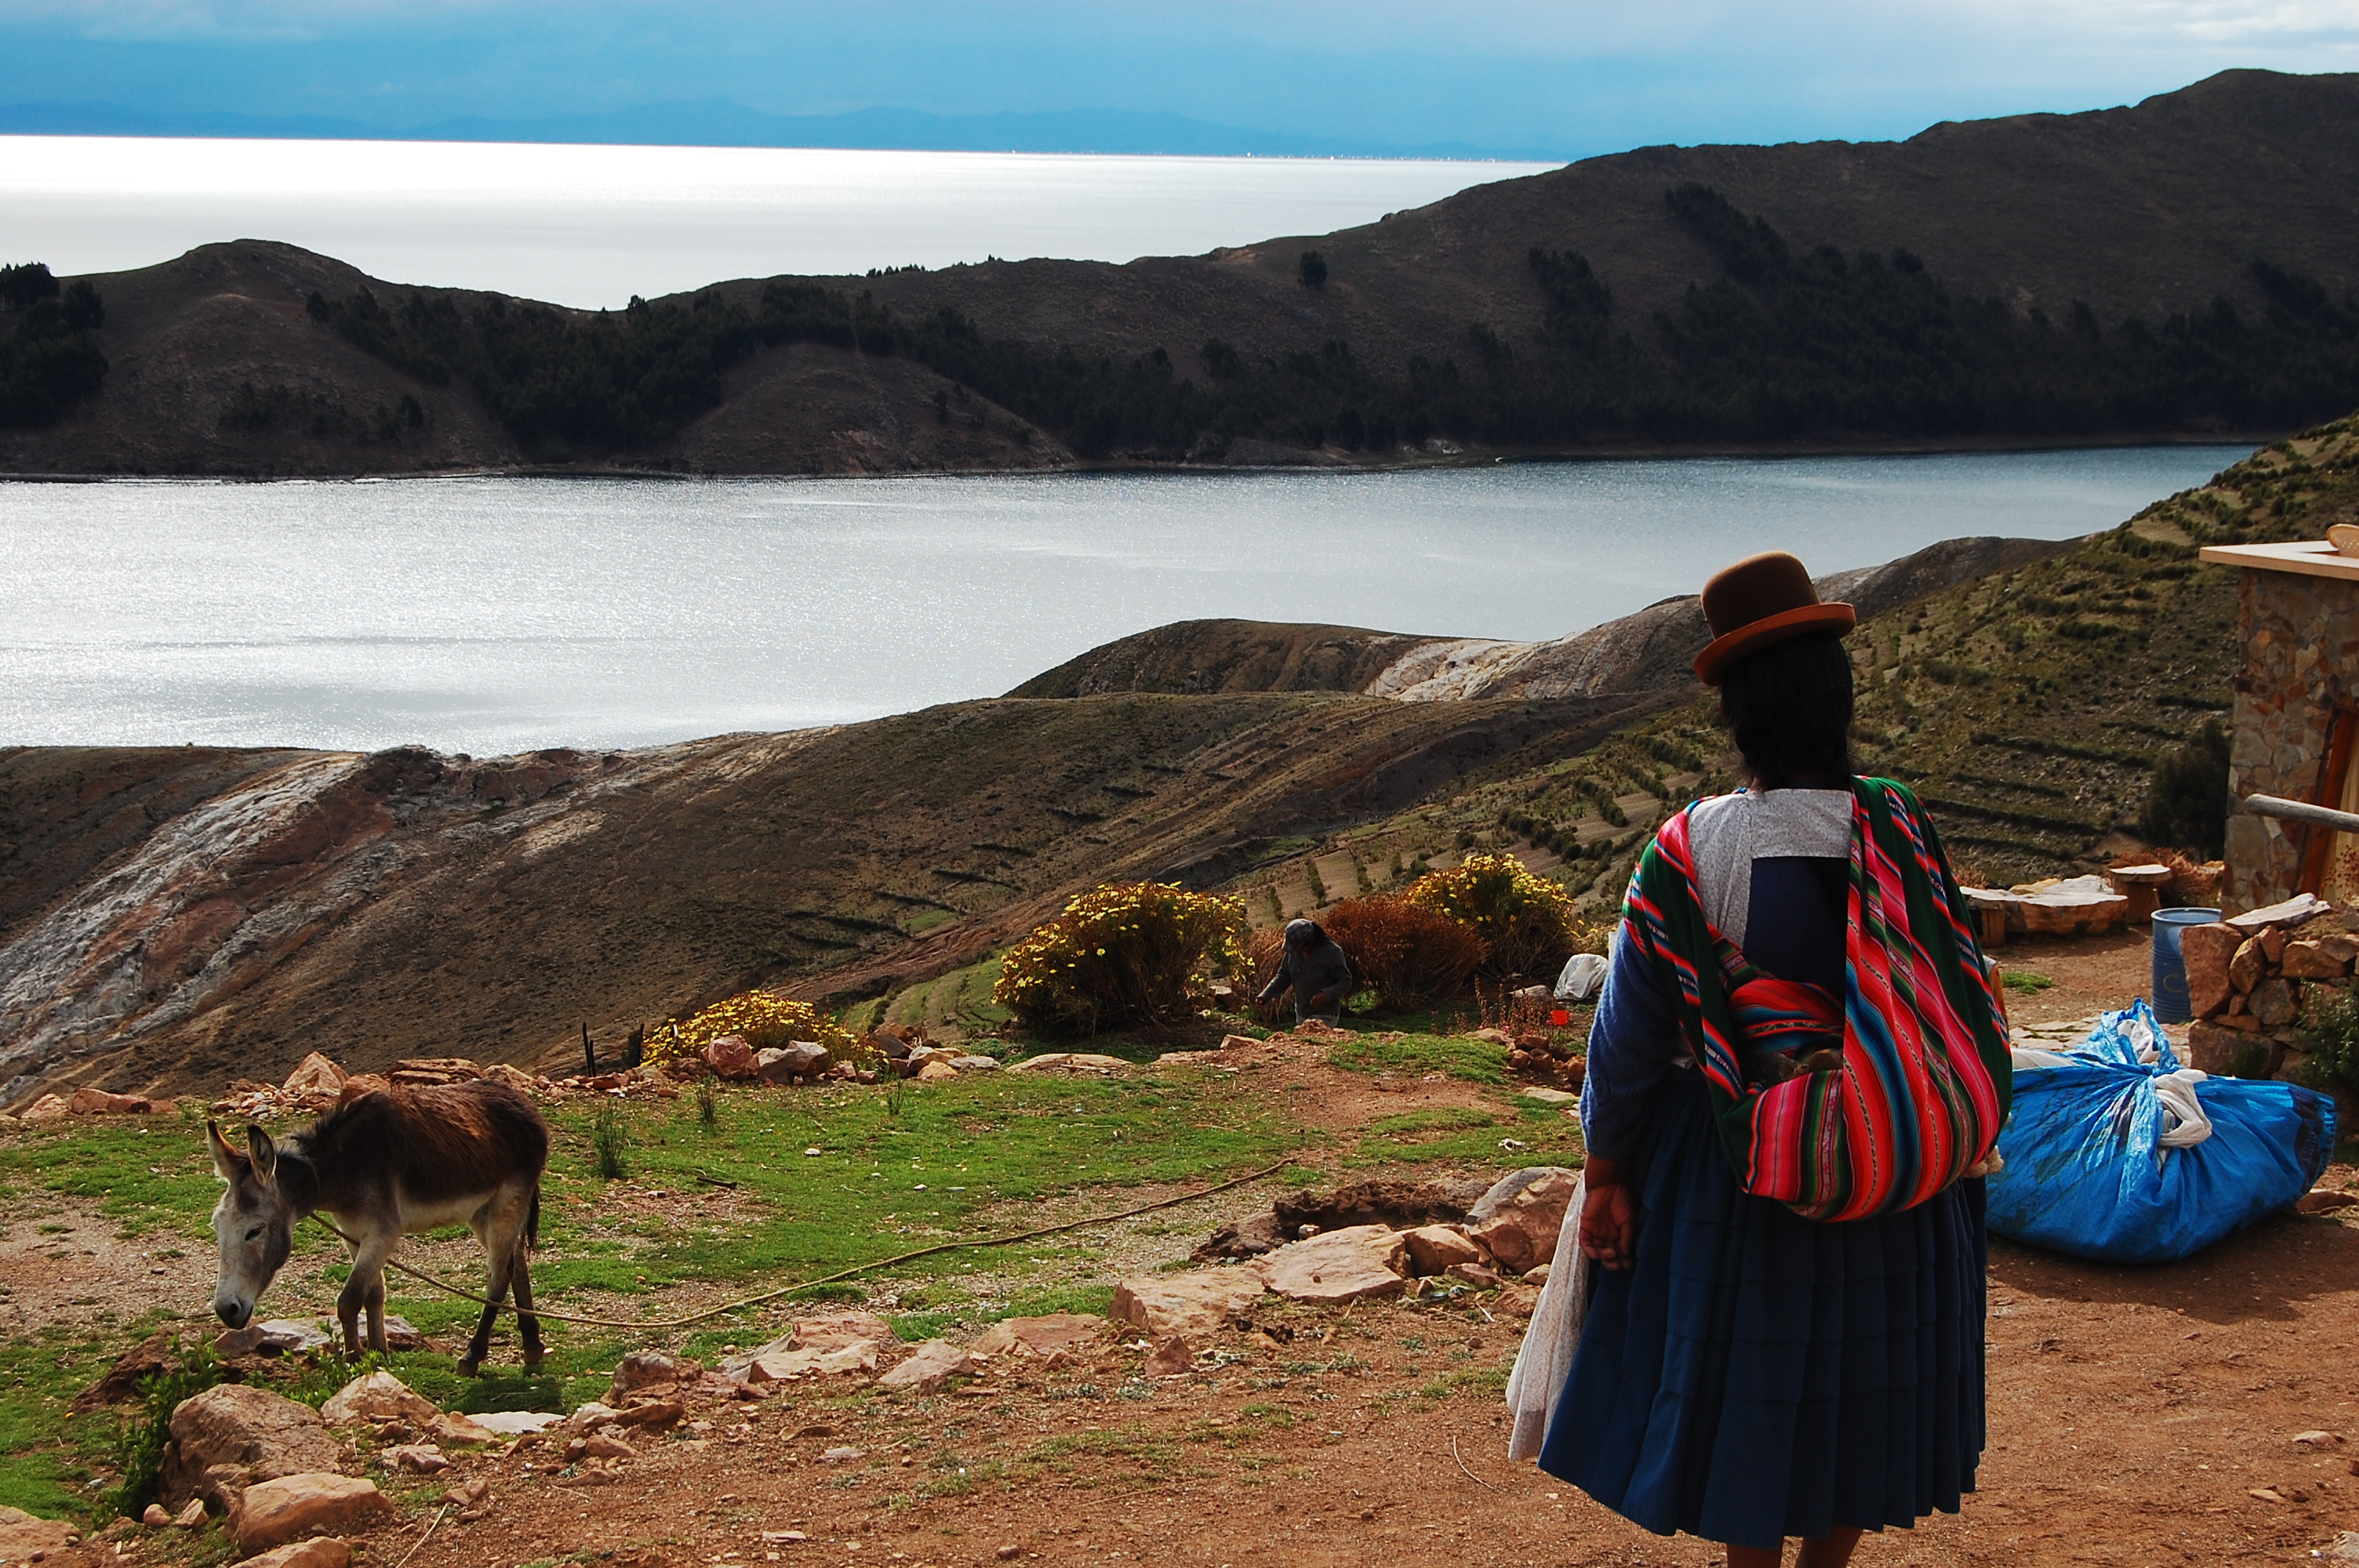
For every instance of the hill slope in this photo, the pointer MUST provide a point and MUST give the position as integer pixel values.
(2033, 277)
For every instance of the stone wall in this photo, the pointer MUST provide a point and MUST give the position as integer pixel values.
(2301, 662)
(2249, 986)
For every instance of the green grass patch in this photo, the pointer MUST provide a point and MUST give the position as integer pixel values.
(2024, 980)
(1457, 1056)
(148, 1174)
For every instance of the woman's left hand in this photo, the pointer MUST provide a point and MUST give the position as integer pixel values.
(1609, 1216)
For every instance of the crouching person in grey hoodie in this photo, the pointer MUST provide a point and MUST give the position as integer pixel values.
(1316, 969)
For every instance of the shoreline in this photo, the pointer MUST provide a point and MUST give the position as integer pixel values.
(1327, 460)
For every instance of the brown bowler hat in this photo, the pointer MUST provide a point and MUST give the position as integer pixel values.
(1762, 600)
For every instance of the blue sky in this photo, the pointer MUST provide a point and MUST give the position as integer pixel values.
(1567, 79)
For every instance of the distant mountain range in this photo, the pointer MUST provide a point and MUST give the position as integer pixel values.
(2187, 268)
(719, 123)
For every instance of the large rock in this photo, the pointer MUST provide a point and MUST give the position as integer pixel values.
(319, 1551)
(2227, 1053)
(1433, 1248)
(930, 1366)
(233, 1434)
(2273, 1003)
(274, 1512)
(2208, 949)
(376, 1397)
(1069, 1333)
(730, 1057)
(2247, 967)
(1196, 1303)
(795, 1059)
(1069, 1062)
(24, 1536)
(315, 1074)
(1522, 1231)
(1337, 1266)
(2310, 960)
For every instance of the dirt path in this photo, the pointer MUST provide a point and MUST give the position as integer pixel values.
(2138, 1416)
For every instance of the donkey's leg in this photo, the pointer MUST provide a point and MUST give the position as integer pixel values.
(376, 1304)
(496, 1232)
(526, 1323)
(367, 1282)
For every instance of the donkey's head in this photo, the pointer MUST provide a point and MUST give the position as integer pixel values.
(254, 1221)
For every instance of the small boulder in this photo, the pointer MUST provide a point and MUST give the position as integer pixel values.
(48, 1108)
(843, 1456)
(274, 1512)
(1071, 1332)
(605, 1445)
(2272, 1002)
(730, 1058)
(798, 1059)
(1358, 1263)
(377, 1397)
(157, 1516)
(1471, 1274)
(656, 1415)
(650, 1374)
(2246, 969)
(417, 1458)
(1432, 1249)
(936, 1070)
(2323, 1200)
(1248, 1237)
(157, 1353)
(1237, 1041)
(244, 1432)
(1175, 1357)
(319, 1551)
(99, 1102)
(1198, 1301)
(192, 1517)
(930, 1366)
(973, 1063)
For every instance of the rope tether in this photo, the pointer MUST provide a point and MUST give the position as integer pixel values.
(1009, 1239)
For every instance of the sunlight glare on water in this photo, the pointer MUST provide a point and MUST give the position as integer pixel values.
(492, 615)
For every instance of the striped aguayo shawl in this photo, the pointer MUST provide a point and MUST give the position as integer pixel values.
(1841, 1108)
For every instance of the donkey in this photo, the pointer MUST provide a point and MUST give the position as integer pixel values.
(385, 1163)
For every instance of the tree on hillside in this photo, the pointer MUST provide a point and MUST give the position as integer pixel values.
(26, 284)
(1313, 270)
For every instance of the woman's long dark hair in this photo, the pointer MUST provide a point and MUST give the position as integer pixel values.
(1789, 709)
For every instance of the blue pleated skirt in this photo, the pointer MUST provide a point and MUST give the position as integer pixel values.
(1758, 1375)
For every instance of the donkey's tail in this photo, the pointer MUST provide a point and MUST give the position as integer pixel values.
(532, 1223)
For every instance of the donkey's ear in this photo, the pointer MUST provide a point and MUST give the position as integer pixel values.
(264, 1153)
(228, 1163)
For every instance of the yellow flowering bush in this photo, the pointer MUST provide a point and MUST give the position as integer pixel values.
(1528, 921)
(1129, 953)
(767, 1022)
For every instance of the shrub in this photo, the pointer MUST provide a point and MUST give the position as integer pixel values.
(2329, 1033)
(1130, 953)
(2187, 805)
(767, 1022)
(1528, 922)
(140, 1441)
(1412, 956)
(610, 1144)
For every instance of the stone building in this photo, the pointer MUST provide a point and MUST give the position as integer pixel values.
(2296, 717)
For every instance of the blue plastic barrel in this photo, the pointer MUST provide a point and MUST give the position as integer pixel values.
(2170, 1003)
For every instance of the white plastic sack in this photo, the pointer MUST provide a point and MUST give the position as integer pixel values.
(1583, 977)
(1546, 1358)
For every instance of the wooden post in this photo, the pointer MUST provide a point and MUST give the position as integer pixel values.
(589, 1052)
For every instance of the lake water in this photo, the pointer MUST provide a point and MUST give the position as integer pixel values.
(590, 226)
(493, 615)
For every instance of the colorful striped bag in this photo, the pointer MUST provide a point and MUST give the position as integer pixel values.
(1840, 1107)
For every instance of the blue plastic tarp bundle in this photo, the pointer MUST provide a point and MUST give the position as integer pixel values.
(2115, 1151)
